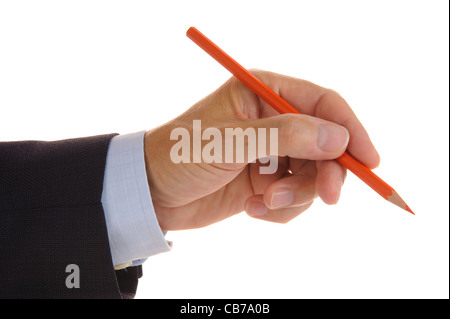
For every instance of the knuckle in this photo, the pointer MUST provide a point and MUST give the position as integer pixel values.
(288, 129)
(334, 96)
(297, 131)
(257, 72)
(330, 93)
(267, 77)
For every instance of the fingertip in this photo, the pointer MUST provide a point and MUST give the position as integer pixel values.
(369, 157)
(377, 160)
(337, 188)
(330, 179)
(255, 207)
(330, 198)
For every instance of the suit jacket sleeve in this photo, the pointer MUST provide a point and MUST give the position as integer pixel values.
(51, 216)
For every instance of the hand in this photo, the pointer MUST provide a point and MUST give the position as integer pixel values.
(192, 195)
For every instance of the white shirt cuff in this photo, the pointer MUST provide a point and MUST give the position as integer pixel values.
(133, 229)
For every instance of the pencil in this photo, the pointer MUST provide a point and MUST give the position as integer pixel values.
(280, 105)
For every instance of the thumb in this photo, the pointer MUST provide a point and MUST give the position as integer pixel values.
(306, 137)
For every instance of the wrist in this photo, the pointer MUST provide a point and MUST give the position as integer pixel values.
(152, 156)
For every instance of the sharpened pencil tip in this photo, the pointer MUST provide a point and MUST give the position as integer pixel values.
(409, 210)
(397, 200)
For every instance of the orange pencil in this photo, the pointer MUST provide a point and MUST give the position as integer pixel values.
(280, 105)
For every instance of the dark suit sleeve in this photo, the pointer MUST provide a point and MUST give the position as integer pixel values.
(51, 216)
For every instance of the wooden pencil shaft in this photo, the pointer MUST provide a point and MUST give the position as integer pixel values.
(280, 105)
(248, 79)
(365, 174)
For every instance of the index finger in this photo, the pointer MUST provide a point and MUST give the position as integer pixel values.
(311, 99)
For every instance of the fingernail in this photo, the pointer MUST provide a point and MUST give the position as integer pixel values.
(256, 208)
(281, 199)
(332, 138)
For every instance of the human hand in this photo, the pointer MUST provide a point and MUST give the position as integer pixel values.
(192, 195)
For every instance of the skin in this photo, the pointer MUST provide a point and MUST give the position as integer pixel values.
(193, 195)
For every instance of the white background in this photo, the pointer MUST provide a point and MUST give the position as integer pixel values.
(80, 68)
